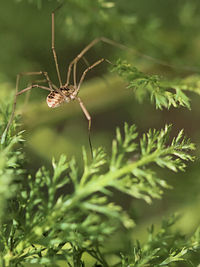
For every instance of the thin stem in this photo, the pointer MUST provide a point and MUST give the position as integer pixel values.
(98, 256)
(13, 111)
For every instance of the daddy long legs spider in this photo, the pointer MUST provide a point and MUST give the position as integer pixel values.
(66, 92)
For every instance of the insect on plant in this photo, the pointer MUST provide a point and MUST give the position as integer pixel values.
(66, 92)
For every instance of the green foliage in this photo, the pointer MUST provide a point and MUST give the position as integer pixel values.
(82, 17)
(67, 214)
(11, 159)
(63, 213)
(162, 92)
(164, 247)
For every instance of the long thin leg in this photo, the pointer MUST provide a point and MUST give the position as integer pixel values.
(53, 46)
(88, 65)
(26, 89)
(44, 73)
(76, 59)
(33, 86)
(51, 86)
(86, 61)
(88, 117)
(46, 79)
(89, 68)
(74, 71)
(15, 103)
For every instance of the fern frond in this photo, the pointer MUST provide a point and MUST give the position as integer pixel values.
(67, 211)
(162, 248)
(160, 91)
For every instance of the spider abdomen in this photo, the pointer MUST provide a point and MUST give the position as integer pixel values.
(55, 99)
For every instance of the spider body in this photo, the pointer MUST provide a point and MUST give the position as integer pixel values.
(65, 94)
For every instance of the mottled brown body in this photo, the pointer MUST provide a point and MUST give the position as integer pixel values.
(56, 98)
(65, 92)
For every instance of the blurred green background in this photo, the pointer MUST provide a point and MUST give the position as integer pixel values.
(157, 32)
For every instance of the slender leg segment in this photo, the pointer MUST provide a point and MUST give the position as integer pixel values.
(80, 55)
(88, 117)
(76, 59)
(33, 86)
(88, 69)
(48, 80)
(51, 86)
(54, 51)
(53, 46)
(45, 74)
(19, 93)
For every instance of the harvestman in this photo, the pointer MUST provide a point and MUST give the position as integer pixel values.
(65, 92)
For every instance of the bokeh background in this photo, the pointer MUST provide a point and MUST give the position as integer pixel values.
(164, 37)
